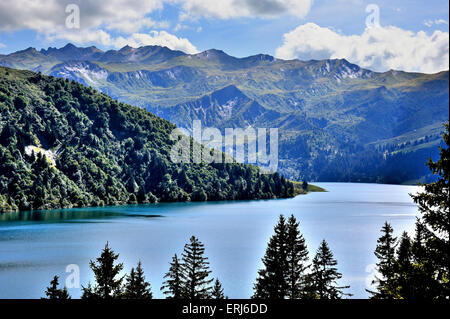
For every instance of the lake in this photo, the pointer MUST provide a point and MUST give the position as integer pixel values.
(35, 246)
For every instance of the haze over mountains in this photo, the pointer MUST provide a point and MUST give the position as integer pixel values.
(337, 121)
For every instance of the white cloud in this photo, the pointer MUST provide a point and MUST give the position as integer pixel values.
(130, 16)
(80, 36)
(44, 15)
(227, 9)
(161, 38)
(179, 27)
(430, 23)
(378, 48)
(2, 45)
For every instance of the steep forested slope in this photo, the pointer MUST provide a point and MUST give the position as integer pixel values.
(63, 144)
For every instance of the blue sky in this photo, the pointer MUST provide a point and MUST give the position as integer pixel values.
(284, 28)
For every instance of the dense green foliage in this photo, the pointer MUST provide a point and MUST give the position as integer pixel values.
(419, 267)
(86, 149)
(285, 273)
(434, 205)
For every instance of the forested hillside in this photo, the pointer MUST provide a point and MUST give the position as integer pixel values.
(66, 145)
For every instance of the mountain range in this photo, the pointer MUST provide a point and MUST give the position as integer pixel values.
(336, 121)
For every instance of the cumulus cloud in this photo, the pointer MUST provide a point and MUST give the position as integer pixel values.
(227, 9)
(121, 15)
(130, 16)
(80, 36)
(377, 48)
(162, 38)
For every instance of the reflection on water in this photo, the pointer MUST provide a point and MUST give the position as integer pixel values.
(62, 215)
(56, 215)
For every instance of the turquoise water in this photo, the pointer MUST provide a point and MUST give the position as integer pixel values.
(36, 246)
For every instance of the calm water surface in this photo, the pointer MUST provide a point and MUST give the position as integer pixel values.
(36, 246)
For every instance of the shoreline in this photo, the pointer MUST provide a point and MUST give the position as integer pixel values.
(311, 189)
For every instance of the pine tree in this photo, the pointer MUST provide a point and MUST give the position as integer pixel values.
(324, 275)
(404, 268)
(217, 292)
(385, 252)
(418, 247)
(136, 287)
(89, 292)
(271, 282)
(297, 256)
(53, 292)
(105, 272)
(434, 206)
(424, 283)
(196, 271)
(173, 286)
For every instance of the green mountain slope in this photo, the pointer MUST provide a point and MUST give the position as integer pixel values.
(63, 144)
(337, 121)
